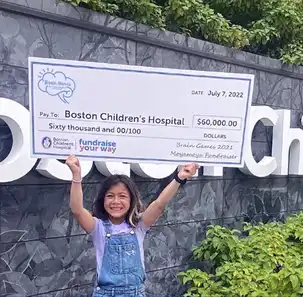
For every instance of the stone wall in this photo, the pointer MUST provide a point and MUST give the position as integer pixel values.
(43, 252)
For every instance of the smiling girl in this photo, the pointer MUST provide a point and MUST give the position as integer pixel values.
(118, 225)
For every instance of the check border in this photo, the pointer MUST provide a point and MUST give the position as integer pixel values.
(31, 99)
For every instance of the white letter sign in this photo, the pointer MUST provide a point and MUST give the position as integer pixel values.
(268, 164)
(17, 118)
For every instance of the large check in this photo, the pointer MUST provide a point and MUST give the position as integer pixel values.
(137, 114)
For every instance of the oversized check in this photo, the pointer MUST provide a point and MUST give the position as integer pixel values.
(137, 114)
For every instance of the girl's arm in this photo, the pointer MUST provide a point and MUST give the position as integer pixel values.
(156, 208)
(83, 216)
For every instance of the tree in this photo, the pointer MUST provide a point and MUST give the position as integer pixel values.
(266, 27)
(266, 261)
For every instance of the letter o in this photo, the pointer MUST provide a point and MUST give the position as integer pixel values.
(18, 162)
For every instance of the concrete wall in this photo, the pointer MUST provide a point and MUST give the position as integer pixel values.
(43, 252)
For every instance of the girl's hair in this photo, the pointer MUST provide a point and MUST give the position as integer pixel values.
(136, 205)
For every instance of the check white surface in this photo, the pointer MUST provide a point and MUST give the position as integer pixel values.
(137, 114)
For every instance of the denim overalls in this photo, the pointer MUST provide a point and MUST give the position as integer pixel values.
(122, 273)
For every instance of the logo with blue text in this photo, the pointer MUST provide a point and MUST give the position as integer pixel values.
(46, 142)
(97, 145)
(56, 84)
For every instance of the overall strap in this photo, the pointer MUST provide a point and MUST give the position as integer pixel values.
(107, 227)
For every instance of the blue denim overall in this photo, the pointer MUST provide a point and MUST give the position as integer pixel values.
(122, 273)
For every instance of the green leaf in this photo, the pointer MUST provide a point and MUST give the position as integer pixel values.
(294, 281)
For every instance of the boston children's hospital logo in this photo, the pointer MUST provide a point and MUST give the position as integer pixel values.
(46, 142)
(56, 84)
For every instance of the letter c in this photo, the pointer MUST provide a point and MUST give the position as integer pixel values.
(268, 164)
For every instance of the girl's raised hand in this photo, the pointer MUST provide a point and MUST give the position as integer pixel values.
(74, 165)
(188, 171)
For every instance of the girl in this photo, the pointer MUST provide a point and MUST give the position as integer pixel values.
(118, 225)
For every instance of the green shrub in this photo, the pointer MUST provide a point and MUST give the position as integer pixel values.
(268, 27)
(262, 260)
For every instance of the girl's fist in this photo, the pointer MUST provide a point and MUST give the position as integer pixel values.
(188, 171)
(74, 165)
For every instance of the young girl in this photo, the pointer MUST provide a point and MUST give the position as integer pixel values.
(118, 225)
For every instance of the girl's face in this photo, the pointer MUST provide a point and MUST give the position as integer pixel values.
(117, 203)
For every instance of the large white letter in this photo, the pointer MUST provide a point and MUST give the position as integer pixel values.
(109, 168)
(287, 144)
(213, 171)
(54, 169)
(157, 171)
(18, 163)
(267, 165)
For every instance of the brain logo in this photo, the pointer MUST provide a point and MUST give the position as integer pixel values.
(57, 84)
